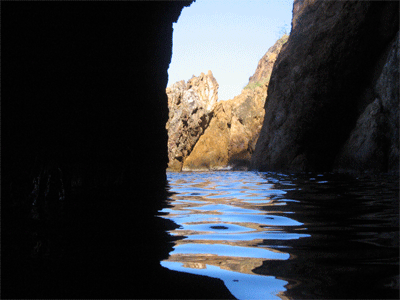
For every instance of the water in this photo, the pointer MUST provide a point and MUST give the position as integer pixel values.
(279, 236)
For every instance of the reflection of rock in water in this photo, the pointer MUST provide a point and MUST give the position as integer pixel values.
(298, 236)
(200, 261)
(219, 227)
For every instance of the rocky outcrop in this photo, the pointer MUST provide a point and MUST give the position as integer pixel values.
(190, 108)
(323, 82)
(211, 151)
(231, 136)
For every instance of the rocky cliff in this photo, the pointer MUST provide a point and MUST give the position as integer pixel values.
(204, 134)
(333, 93)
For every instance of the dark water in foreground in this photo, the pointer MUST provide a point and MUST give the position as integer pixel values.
(271, 236)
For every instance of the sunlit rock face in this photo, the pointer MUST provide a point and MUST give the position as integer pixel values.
(262, 75)
(232, 133)
(231, 136)
(190, 109)
(323, 81)
(211, 150)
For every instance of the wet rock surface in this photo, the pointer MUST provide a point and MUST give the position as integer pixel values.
(321, 85)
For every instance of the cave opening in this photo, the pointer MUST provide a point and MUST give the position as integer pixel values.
(219, 53)
(83, 97)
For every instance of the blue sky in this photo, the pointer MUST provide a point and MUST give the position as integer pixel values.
(228, 37)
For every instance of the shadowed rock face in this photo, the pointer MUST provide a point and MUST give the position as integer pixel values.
(373, 144)
(322, 83)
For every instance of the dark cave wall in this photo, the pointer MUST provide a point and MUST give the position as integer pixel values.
(322, 82)
(373, 144)
(83, 89)
(84, 85)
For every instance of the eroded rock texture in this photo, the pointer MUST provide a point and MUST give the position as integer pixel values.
(323, 81)
(231, 136)
(190, 109)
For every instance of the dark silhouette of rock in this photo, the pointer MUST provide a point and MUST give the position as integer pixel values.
(322, 82)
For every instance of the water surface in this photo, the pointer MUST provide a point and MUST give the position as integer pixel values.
(280, 236)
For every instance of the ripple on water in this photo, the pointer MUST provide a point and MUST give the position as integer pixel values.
(275, 236)
(223, 220)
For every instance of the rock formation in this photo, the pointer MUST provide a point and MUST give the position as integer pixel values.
(211, 151)
(333, 94)
(190, 107)
(227, 139)
(204, 134)
(230, 138)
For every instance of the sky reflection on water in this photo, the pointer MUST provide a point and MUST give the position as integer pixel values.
(223, 218)
(278, 236)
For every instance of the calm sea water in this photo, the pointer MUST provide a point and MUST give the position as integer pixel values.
(281, 236)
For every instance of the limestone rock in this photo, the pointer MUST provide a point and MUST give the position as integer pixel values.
(190, 108)
(322, 82)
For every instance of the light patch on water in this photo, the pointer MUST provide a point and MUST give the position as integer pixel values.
(225, 219)
(228, 250)
(242, 286)
(279, 236)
